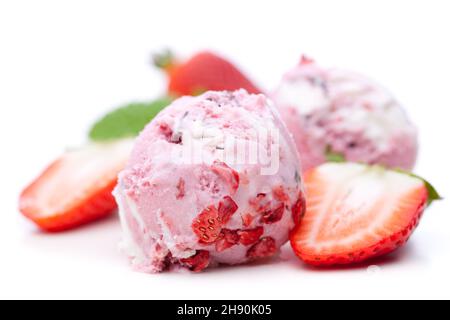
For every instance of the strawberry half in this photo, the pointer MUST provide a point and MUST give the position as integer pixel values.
(203, 72)
(356, 212)
(76, 188)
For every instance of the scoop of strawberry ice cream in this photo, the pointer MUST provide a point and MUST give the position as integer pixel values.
(212, 180)
(337, 111)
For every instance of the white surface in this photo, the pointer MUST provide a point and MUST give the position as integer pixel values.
(64, 63)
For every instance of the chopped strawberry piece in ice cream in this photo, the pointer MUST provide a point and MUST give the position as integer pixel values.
(230, 176)
(198, 262)
(181, 189)
(207, 225)
(227, 239)
(265, 248)
(249, 237)
(280, 195)
(274, 215)
(227, 207)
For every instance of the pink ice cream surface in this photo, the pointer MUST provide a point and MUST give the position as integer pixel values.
(195, 214)
(331, 110)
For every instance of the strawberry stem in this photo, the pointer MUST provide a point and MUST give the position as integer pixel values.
(164, 60)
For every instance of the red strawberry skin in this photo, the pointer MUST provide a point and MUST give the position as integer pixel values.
(77, 188)
(96, 206)
(207, 71)
(357, 252)
(383, 247)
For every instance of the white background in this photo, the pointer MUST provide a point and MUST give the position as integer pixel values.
(63, 63)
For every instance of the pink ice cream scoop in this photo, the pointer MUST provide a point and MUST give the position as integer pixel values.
(341, 112)
(213, 179)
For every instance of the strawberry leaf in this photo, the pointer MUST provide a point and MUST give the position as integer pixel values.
(433, 195)
(164, 60)
(127, 121)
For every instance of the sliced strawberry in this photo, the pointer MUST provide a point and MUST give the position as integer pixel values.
(198, 262)
(356, 212)
(265, 248)
(229, 175)
(227, 207)
(207, 225)
(227, 239)
(203, 72)
(250, 236)
(76, 188)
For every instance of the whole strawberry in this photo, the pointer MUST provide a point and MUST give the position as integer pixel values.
(204, 71)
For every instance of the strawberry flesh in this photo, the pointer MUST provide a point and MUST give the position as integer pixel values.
(250, 236)
(280, 194)
(76, 188)
(229, 175)
(227, 239)
(198, 262)
(260, 203)
(265, 248)
(273, 216)
(166, 131)
(207, 225)
(227, 207)
(247, 219)
(356, 212)
(181, 187)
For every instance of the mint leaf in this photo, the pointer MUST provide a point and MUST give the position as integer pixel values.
(127, 121)
(433, 195)
(332, 156)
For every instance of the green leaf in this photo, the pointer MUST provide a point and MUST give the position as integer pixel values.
(127, 121)
(433, 195)
(332, 156)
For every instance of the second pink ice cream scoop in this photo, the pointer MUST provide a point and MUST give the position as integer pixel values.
(341, 112)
